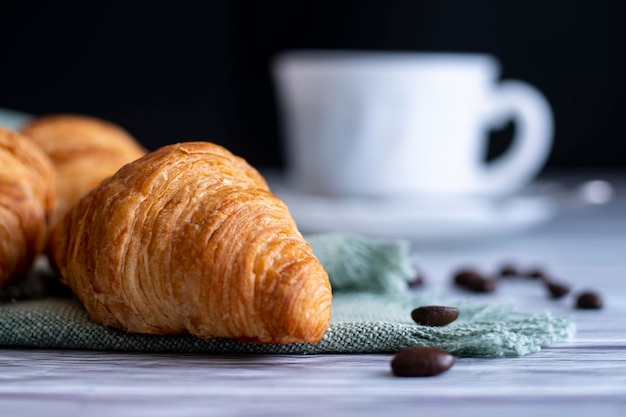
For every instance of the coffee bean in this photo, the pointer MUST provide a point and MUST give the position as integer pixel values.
(536, 273)
(471, 280)
(416, 282)
(484, 285)
(434, 315)
(509, 270)
(421, 361)
(589, 300)
(467, 277)
(556, 289)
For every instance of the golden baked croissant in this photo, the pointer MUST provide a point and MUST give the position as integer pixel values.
(85, 150)
(27, 199)
(189, 239)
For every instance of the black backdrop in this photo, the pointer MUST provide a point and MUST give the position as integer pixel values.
(170, 71)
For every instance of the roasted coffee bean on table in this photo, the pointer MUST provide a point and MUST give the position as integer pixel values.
(421, 361)
(589, 300)
(557, 289)
(485, 285)
(434, 315)
(536, 273)
(509, 270)
(472, 280)
(466, 276)
(417, 281)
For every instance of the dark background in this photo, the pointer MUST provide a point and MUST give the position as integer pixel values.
(170, 71)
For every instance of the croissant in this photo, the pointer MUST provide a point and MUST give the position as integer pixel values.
(27, 200)
(84, 150)
(189, 239)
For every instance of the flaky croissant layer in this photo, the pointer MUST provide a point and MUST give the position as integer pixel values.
(27, 200)
(189, 239)
(84, 150)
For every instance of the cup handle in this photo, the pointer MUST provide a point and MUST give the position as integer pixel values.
(530, 111)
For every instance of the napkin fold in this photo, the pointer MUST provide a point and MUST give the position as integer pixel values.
(371, 314)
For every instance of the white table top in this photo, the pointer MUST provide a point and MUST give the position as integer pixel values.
(586, 376)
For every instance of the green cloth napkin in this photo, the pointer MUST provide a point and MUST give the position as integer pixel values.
(371, 314)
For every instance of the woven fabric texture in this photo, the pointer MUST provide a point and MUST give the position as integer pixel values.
(371, 314)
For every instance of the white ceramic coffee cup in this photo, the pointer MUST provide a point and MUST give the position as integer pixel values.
(388, 124)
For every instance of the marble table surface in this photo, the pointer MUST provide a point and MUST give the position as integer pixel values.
(585, 246)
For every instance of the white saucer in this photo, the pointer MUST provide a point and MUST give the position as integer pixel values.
(458, 220)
